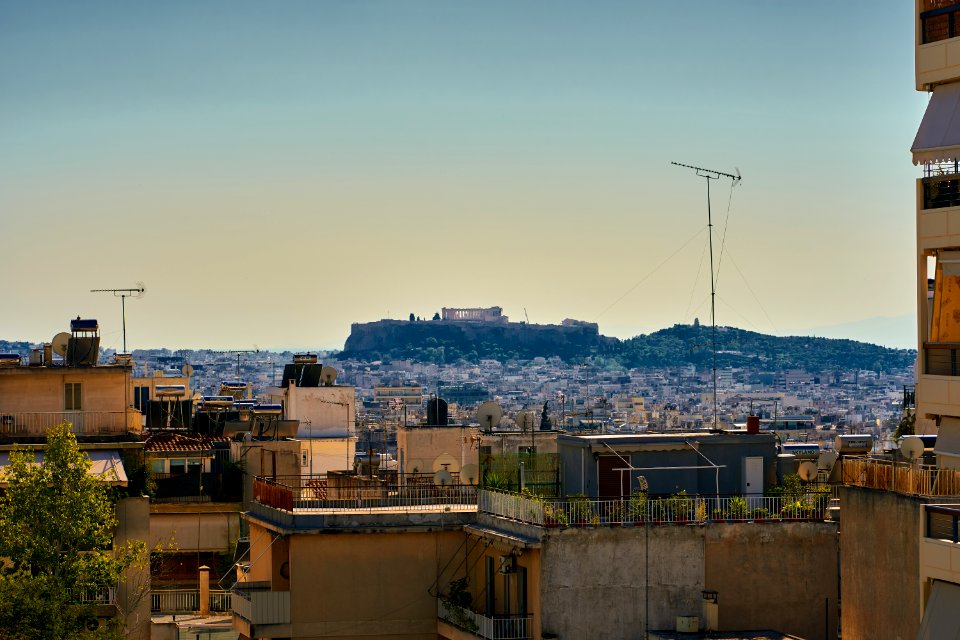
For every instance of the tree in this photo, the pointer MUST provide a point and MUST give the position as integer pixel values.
(56, 531)
(412, 317)
(436, 315)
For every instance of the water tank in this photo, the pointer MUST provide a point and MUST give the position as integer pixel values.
(753, 424)
(436, 412)
(850, 444)
(13, 360)
(36, 357)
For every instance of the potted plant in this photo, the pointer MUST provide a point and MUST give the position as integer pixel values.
(637, 507)
(737, 509)
(679, 505)
(581, 512)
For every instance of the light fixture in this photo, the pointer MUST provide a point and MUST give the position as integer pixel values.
(710, 595)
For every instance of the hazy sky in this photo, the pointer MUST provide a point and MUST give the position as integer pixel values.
(275, 171)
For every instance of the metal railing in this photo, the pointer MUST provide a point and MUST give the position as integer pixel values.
(99, 595)
(492, 628)
(262, 607)
(901, 477)
(314, 493)
(942, 523)
(941, 358)
(187, 601)
(940, 21)
(37, 423)
(638, 509)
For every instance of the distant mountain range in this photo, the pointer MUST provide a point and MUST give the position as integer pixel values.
(450, 342)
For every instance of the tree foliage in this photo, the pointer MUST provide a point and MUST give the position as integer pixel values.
(56, 532)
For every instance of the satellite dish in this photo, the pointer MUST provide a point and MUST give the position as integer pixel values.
(826, 460)
(445, 461)
(488, 415)
(415, 465)
(525, 420)
(328, 375)
(442, 477)
(808, 471)
(469, 474)
(187, 370)
(911, 447)
(59, 343)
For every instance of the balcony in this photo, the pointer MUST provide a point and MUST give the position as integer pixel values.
(639, 510)
(901, 477)
(941, 188)
(941, 358)
(187, 601)
(939, 20)
(479, 625)
(351, 493)
(259, 608)
(940, 543)
(83, 423)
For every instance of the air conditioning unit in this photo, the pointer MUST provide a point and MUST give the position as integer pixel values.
(508, 564)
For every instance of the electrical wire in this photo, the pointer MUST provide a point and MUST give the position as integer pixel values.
(750, 289)
(696, 281)
(654, 270)
(723, 241)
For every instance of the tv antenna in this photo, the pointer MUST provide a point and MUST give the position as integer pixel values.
(239, 353)
(710, 174)
(123, 294)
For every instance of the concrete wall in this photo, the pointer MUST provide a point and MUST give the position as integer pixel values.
(330, 411)
(27, 389)
(133, 592)
(203, 526)
(780, 576)
(879, 564)
(509, 442)
(348, 585)
(424, 448)
(326, 454)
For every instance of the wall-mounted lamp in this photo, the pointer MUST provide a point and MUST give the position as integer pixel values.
(710, 595)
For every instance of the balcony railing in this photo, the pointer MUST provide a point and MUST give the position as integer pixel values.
(941, 191)
(939, 20)
(492, 628)
(942, 523)
(416, 492)
(187, 601)
(100, 595)
(262, 607)
(638, 510)
(37, 423)
(941, 358)
(901, 477)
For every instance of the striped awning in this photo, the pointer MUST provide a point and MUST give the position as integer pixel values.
(938, 138)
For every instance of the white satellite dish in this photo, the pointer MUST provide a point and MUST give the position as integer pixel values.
(187, 370)
(470, 474)
(445, 461)
(911, 447)
(488, 415)
(59, 343)
(328, 375)
(442, 477)
(826, 460)
(525, 420)
(415, 465)
(807, 471)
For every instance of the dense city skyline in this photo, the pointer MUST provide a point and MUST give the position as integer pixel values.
(274, 174)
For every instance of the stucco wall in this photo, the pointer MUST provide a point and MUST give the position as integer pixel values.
(348, 585)
(781, 576)
(593, 580)
(422, 447)
(879, 564)
(41, 388)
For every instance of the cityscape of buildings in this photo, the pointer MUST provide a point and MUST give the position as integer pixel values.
(312, 495)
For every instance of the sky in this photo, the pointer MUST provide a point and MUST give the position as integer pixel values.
(273, 172)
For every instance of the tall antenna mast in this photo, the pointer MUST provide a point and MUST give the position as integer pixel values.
(123, 294)
(710, 174)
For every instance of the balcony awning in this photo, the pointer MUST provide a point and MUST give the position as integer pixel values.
(940, 616)
(938, 138)
(105, 465)
(947, 448)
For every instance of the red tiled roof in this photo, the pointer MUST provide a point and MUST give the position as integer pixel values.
(177, 442)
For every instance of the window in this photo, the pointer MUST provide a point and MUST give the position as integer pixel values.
(491, 586)
(178, 467)
(141, 396)
(72, 397)
(156, 466)
(303, 458)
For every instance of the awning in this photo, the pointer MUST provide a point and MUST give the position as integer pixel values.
(940, 620)
(947, 448)
(938, 138)
(106, 465)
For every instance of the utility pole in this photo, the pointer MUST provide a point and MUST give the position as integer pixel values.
(710, 174)
(123, 294)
